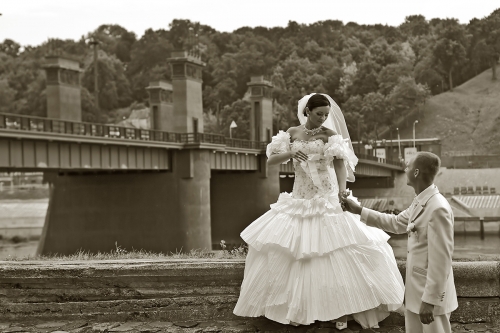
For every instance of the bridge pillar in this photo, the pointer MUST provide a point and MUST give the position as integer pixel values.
(63, 88)
(161, 105)
(261, 114)
(239, 198)
(154, 211)
(187, 93)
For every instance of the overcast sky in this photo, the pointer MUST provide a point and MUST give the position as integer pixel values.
(31, 22)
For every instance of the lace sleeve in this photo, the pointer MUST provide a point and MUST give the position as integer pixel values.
(338, 147)
(280, 143)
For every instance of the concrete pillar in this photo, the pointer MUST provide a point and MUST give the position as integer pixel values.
(155, 211)
(63, 88)
(239, 198)
(161, 106)
(186, 82)
(261, 114)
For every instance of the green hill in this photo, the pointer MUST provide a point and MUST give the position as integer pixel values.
(466, 119)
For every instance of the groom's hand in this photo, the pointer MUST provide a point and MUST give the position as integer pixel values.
(352, 207)
(426, 313)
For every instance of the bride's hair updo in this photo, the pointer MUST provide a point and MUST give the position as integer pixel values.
(315, 101)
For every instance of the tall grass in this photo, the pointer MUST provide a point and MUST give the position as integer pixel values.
(120, 253)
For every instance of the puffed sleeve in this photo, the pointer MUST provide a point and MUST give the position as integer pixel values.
(280, 143)
(338, 147)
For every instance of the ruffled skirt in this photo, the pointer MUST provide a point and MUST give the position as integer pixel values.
(308, 261)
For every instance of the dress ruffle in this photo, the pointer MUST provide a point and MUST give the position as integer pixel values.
(280, 143)
(309, 227)
(338, 147)
(354, 280)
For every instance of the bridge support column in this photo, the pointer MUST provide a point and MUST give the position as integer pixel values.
(239, 198)
(154, 211)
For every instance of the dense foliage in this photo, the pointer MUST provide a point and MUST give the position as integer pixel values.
(377, 73)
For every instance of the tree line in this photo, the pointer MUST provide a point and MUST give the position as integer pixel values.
(376, 73)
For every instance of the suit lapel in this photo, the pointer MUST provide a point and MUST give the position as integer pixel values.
(416, 212)
(422, 203)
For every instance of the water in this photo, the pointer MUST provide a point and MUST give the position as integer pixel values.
(23, 220)
(467, 246)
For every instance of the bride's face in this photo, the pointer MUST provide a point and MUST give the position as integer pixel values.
(318, 115)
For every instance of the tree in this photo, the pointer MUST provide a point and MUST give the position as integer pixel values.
(407, 95)
(415, 25)
(7, 96)
(389, 76)
(373, 109)
(491, 35)
(10, 47)
(365, 80)
(239, 111)
(449, 50)
(354, 118)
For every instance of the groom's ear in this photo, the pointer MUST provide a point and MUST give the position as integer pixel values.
(416, 172)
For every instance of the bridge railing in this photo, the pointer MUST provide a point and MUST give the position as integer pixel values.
(379, 160)
(40, 124)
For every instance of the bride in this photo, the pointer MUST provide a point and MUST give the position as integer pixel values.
(308, 259)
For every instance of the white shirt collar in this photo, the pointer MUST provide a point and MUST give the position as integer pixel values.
(426, 192)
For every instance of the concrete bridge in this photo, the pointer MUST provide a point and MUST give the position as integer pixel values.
(165, 189)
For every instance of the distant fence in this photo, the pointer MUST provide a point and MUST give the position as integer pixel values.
(481, 221)
(470, 161)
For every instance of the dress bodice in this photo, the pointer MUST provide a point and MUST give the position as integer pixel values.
(315, 177)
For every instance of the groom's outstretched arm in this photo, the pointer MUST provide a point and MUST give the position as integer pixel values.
(395, 224)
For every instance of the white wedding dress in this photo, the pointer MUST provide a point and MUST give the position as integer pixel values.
(307, 259)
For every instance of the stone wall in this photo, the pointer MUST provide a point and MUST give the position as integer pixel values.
(176, 290)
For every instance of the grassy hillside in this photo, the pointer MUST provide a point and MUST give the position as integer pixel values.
(466, 119)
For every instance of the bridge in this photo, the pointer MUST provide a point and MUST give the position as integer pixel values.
(163, 189)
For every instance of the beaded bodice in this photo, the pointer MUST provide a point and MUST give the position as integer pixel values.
(304, 186)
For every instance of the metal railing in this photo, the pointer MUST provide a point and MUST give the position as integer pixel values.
(380, 160)
(481, 221)
(47, 125)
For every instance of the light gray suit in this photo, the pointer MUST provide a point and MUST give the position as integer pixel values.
(429, 276)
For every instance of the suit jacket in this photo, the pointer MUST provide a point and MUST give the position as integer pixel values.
(429, 275)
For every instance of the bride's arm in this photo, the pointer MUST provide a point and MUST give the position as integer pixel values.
(279, 158)
(341, 171)
(278, 151)
(283, 157)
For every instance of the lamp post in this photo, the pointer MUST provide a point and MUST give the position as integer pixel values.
(399, 144)
(414, 123)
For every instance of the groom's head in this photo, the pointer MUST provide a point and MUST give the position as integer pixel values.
(422, 169)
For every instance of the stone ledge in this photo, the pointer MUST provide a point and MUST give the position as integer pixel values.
(176, 290)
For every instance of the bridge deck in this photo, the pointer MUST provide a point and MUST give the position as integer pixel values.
(35, 143)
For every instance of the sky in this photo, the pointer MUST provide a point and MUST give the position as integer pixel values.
(31, 22)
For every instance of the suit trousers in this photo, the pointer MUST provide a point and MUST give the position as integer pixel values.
(441, 324)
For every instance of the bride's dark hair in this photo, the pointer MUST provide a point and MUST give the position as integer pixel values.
(315, 101)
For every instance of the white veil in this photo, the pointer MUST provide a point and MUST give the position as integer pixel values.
(335, 122)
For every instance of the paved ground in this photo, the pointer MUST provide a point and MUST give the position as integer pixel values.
(251, 325)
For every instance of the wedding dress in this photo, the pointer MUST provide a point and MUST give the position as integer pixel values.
(309, 260)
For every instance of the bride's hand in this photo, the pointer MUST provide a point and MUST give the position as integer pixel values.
(299, 156)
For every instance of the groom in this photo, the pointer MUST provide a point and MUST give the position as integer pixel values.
(430, 294)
